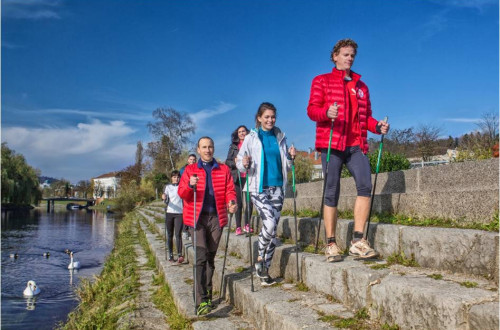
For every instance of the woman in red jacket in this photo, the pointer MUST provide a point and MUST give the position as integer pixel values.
(215, 196)
(341, 97)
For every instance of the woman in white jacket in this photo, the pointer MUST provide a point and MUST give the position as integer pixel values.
(173, 217)
(264, 157)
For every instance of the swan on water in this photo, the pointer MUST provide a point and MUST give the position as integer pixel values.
(73, 264)
(31, 289)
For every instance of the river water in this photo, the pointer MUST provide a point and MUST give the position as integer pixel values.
(89, 234)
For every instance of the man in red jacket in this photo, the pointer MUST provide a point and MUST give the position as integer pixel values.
(215, 195)
(341, 97)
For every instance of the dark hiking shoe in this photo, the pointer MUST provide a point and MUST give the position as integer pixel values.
(267, 281)
(261, 270)
(203, 309)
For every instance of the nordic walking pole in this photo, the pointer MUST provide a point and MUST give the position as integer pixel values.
(194, 245)
(247, 211)
(367, 225)
(225, 254)
(324, 186)
(295, 215)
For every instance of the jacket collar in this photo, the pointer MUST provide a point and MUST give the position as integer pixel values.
(340, 74)
(277, 132)
(215, 164)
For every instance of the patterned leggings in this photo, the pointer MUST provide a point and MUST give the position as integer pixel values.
(269, 204)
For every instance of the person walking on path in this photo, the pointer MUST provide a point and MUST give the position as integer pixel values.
(266, 160)
(190, 160)
(173, 217)
(341, 97)
(237, 138)
(215, 197)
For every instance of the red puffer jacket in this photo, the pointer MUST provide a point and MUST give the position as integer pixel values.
(329, 88)
(222, 181)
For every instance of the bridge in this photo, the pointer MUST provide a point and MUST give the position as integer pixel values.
(51, 200)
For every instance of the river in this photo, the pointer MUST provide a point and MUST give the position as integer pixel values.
(29, 234)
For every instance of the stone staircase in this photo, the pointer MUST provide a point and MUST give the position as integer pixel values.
(454, 286)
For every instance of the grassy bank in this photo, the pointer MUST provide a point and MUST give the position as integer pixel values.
(111, 294)
(108, 301)
(162, 297)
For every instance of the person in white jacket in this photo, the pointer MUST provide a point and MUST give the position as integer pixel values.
(266, 160)
(173, 217)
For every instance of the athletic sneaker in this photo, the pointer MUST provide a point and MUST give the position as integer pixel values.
(261, 270)
(362, 250)
(171, 258)
(180, 259)
(267, 281)
(238, 231)
(247, 229)
(332, 253)
(203, 309)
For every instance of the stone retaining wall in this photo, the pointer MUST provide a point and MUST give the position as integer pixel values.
(462, 191)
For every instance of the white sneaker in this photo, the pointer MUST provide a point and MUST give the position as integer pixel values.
(362, 250)
(332, 253)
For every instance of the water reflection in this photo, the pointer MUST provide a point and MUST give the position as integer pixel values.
(89, 234)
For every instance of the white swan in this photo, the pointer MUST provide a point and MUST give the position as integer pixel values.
(73, 264)
(31, 289)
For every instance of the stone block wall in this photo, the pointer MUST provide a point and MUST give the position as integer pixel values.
(465, 191)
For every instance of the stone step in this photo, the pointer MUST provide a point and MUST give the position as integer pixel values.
(405, 296)
(466, 251)
(179, 279)
(281, 306)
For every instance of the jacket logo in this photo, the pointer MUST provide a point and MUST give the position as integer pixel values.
(361, 94)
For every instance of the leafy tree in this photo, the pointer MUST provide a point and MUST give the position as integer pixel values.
(303, 169)
(20, 185)
(84, 188)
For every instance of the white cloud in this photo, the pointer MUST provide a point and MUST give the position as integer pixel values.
(463, 120)
(201, 116)
(31, 9)
(75, 153)
(476, 4)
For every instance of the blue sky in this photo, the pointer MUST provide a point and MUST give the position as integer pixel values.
(80, 79)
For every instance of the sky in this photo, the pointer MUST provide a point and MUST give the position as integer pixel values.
(80, 79)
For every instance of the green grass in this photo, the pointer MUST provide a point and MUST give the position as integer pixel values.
(164, 301)
(356, 322)
(103, 300)
(235, 255)
(387, 326)
(302, 287)
(436, 276)
(240, 269)
(379, 266)
(401, 259)
(469, 284)
(401, 219)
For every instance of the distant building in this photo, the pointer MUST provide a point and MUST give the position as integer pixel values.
(45, 184)
(106, 185)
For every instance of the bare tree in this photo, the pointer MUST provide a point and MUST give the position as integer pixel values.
(426, 138)
(400, 141)
(488, 126)
(172, 129)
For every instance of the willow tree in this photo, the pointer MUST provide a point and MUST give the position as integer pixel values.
(20, 185)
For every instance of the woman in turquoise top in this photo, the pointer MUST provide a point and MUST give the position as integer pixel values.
(266, 160)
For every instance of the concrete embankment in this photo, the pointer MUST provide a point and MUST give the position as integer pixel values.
(464, 192)
(454, 285)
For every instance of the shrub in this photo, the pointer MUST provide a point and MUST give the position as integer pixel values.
(389, 162)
